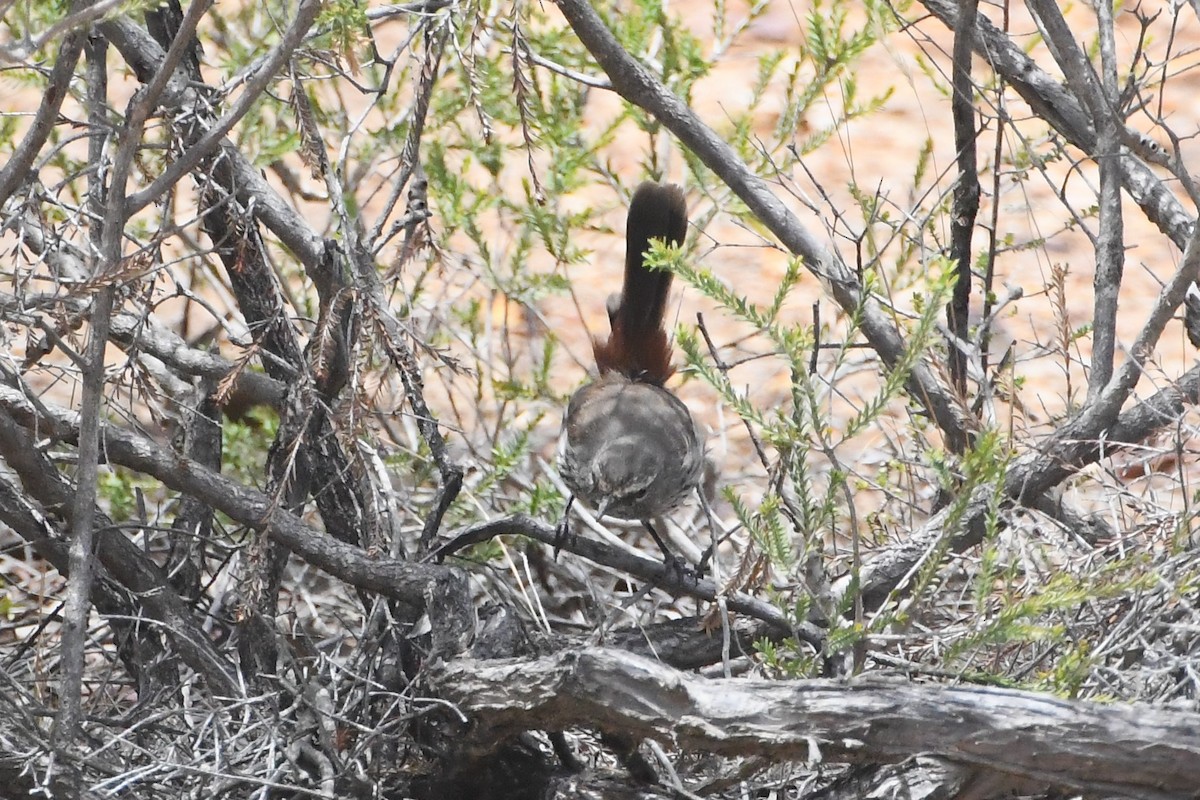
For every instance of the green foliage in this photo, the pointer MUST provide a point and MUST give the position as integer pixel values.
(785, 661)
(343, 23)
(802, 429)
(118, 490)
(244, 444)
(28, 17)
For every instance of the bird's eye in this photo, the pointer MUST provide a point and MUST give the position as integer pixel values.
(641, 494)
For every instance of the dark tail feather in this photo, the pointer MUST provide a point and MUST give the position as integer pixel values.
(656, 212)
(638, 346)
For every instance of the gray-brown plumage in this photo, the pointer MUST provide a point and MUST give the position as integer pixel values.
(630, 447)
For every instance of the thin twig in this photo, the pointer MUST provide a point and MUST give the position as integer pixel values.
(203, 147)
(966, 191)
(17, 166)
(79, 586)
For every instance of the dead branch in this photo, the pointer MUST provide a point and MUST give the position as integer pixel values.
(1135, 751)
(648, 569)
(966, 194)
(1029, 477)
(420, 585)
(1055, 104)
(116, 554)
(15, 170)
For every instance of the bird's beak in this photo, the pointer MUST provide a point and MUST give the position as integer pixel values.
(602, 506)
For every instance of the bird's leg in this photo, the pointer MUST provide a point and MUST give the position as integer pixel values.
(675, 567)
(563, 529)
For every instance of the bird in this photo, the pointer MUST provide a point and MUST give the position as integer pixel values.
(630, 447)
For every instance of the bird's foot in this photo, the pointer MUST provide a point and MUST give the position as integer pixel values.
(563, 529)
(677, 572)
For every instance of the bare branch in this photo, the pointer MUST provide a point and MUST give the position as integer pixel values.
(966, 192)
(212, 138)
(82, 14)
(14, 172)
(409, 582)
(1053, 103)
(79, 588)
(1028, 478)
(1100, 100)
(648, 569)
(116, 553)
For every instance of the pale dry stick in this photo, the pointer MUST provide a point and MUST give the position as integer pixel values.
(579, 77)
(673, 779)
(525, 584)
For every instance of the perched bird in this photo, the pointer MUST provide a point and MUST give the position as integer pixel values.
(630, 447)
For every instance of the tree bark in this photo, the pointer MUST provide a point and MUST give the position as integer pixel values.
(1134, 751)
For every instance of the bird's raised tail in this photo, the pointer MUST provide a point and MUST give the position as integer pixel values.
(638, 347)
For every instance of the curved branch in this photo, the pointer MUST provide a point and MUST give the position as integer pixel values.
(647, 569)
(246, 182)
(116, 553)
(1051, 101)
(15, 171)
(1029, 477)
